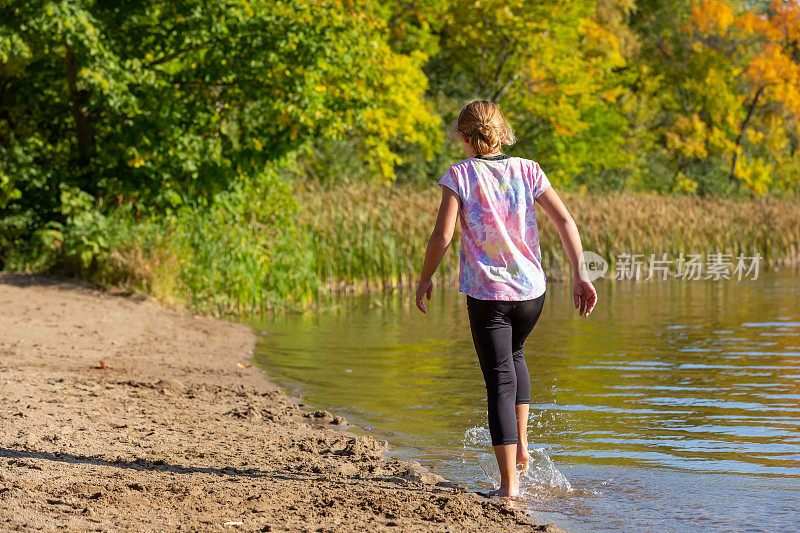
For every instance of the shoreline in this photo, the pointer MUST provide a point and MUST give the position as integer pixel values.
(121, 413)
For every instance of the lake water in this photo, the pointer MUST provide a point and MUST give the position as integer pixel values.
(673, 407)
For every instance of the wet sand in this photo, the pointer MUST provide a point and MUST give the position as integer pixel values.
(121, 414)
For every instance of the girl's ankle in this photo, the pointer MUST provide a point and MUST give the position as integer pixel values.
(510, 482)
(510, 487)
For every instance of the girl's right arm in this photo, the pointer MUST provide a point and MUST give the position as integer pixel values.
(438, 244)
(583, 292)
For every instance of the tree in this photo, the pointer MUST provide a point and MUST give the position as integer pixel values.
(164, 103)
(773, 73)
(555, 69)
(729, 89)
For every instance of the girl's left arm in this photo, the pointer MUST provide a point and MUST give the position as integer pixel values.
(438, 244)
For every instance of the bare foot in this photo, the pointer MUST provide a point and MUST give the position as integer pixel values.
(503, 492)
(523, 457)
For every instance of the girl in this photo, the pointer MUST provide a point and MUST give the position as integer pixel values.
(500, 269)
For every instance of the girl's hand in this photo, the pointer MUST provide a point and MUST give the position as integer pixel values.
(584, 295)
(424, 287)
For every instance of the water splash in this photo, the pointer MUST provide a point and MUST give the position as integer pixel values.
(477, 437)
(542, 481)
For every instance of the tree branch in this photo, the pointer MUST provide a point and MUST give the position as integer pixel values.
(173, 55)
(742, 127)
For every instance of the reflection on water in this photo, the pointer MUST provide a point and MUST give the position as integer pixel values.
(675, 405)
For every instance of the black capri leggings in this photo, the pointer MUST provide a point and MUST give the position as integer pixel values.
(499, 329)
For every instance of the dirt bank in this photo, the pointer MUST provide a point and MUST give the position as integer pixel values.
(119, 414)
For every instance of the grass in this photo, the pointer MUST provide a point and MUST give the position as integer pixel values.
(266, 245)
(372, 238)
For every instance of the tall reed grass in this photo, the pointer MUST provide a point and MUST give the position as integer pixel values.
(266, 246)
(366, 237)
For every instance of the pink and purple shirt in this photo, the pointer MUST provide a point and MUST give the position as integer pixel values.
(500, 257)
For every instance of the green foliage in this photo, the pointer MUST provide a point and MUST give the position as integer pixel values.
(728, 101)
(553, 67)
(164, 145)
(163, 103)
(246, 253)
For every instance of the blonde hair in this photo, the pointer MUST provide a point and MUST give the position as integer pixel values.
(485, 126)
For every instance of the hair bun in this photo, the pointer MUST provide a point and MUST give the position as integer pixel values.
(487, 129)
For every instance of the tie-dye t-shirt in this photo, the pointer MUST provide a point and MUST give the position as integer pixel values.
(500, 254)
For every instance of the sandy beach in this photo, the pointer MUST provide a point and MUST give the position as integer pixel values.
(121, 414)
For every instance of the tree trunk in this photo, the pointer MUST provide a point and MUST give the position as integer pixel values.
(742, 127)
(84, 129)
